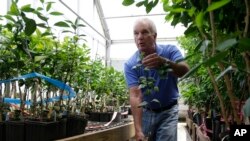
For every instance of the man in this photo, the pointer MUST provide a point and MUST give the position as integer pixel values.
(158, 120)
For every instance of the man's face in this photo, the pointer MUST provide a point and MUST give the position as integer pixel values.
(144, 38)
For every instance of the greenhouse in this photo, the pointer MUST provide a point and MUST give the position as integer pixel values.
(124, 70)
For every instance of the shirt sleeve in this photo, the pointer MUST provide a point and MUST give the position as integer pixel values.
(130, 76)
(174, 53)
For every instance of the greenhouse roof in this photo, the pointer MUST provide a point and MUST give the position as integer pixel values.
(109, 24)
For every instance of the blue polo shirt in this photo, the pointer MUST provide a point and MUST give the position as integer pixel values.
(168, 90)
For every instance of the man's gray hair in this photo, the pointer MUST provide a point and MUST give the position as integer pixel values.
(151, 24)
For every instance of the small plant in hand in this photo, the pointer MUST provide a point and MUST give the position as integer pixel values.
(147, 82)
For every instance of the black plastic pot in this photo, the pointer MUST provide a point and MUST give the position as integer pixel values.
(15, 131)
(76, 125)
(62, 128)
(41, 131)
(197, 118)
(209, 126)
(94, 116)
(105, 116)
(2, 131)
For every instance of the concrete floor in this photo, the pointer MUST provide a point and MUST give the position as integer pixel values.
(183, 134)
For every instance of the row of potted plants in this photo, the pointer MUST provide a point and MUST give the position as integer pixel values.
(44, 129)
(30, 45)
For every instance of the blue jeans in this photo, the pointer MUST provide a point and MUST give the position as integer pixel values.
(161, 126)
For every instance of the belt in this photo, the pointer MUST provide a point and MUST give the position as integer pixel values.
(158, 110)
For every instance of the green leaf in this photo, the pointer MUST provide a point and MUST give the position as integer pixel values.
(46, 34)
(143, 104)
(191, 71)
(156, 88)
(168, 8)
(42, 17)
(191, 11)
(226, 44)
(76, 21)
(67, 31)
(204, 46)
(42, 1)
(41, 25)
(39, 58)
(81, 35)
(156, 100)
(9, 26)
(55, 13)
(217, 5)
(244, 44)
(14, 9)
(68, 21)
(127, 2)
(198, 46)
(146, 69)
(229, 68)
(165, 1)
(155, 3)
(218, 57)
(8, 17)
(30, 26)
(176, 20)
(27, 8)
(142, 86)
(140, 3)
(199, 20)
(137, 66)
(73, 26)
(48, 6)
(170, 70)
(149, 7)
(134, 67)
(39, 9)
(169, 17)
(148, 92)
(191, 29)
(61, 24)
(142, 78)
(81, 25)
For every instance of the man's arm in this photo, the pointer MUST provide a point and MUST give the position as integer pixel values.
(156, 61)
(179, 69)
(135, 100)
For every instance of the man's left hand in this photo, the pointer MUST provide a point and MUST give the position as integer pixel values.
(153, 61)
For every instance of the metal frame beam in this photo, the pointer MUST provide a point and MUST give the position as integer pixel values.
(83, 20)
(132, 40)
(129, 16)
(105, 30)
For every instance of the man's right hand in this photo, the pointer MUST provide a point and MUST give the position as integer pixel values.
(140, 137)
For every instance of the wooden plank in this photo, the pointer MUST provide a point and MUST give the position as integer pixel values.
(119, 133)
